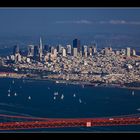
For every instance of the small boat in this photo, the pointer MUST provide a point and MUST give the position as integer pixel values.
(56, 82)
(54, 98)
(15, 94)
(80, 101)
(13, 81)
(55, 93)
(29, 97)
(74, 95)
(9, 90)
(62, 97)
(9, 95)
(133, 93)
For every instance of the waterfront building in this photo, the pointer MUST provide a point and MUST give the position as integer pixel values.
(30, 51)
(76, 44)
(128, 52)
(75, 52)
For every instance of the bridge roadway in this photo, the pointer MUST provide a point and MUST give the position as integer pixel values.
(34, 123)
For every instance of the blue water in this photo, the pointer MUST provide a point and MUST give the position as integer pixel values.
(95, 102)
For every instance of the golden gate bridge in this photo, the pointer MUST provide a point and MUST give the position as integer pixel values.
(14, 122)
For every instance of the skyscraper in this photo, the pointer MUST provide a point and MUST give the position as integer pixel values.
(75, 52)
(90, 51)
(64, 52)
(59, 48)
(36, 52)
(40, 48)
(84, 50)
(31, 50)
(134, 52)
(47, 48)
(128, 52)
(68, 49)
(76, 44)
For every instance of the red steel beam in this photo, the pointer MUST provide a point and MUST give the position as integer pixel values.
(69, 123)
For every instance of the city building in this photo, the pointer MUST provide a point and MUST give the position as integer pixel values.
(128, 52)
(53, 52)
(47, 48)
(30, 51)
(59, 48)
(90, 51)
(117, 52)
(123, 52)
(69, 48)
(75, 52)
(40, 49)
(84, 50)
(134, 52)
(64, 52)
(94, 48)
(76, 44)
(17, 57)
(36, 52)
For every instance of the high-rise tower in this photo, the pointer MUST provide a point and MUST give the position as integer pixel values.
(128, 52)
(76, 44)
(40, 49)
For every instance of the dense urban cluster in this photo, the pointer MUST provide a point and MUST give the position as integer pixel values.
(76, 63)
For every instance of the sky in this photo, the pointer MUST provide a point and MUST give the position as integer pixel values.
(68, 21)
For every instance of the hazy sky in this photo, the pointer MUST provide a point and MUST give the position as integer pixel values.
(68, 21)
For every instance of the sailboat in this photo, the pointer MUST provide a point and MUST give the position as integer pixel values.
(9, 90)
(8, 94)
(55, 93)
(80, 101)
(29, 97)
(62, 97)
(133, 93)
(13, 81)
(54, 97)
(74, 95)
(15, 94)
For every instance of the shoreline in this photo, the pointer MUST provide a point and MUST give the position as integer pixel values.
(83, 84)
